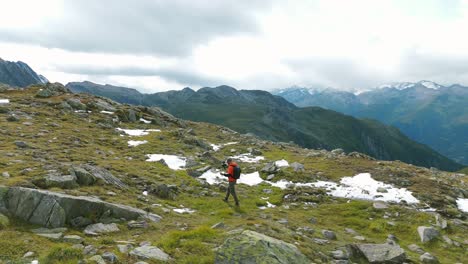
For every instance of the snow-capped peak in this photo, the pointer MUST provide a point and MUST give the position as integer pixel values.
(406, 85)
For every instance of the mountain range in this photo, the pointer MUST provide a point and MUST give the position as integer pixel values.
(19, 74)
(272, 117)
(425, 111)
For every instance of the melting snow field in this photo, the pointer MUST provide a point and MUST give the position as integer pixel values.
(361, 187)
(269, 205)
(138, 132)
(107, 112)
(134, 143)
(172, 161)
(249, 158)
(145, 121)
(217, 147)
(4, 101)
(462, 205)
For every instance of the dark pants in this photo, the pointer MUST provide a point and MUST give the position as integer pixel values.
(232, 190)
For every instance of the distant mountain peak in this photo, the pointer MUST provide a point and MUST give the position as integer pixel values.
(19, 74)
(406, 85)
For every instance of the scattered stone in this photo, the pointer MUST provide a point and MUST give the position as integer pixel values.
(339, 254)
(447, 239)
(252, 247)
(80, 221)
(89, 250)
(54, 236)
(145, 243)
(149, 253)
(377, 253)
(337, 152)
(380, 205)
(360, 238)
(321, 241)
(297, 166)
(329, 234)
(219, 225)
(427, 233)
(270, 168)
(428, 258)
(416, 248)
(350, 231)
(22, 144)
(97, 259)
(313, 220)
(382, 190)
(267, 191)
(124, 249)
(137, 224)
(164, 191)
(283, 221)
(29, 254)
(270, 177)
(83, 177)
(100, 228)
(440, 222)
(110, 257)
(60, 181)
(6, 174)
(74, 239)
(12, 118)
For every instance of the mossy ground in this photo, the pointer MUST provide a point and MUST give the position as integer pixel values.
(59, 139)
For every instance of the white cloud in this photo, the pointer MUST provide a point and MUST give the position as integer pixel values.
(344, 44)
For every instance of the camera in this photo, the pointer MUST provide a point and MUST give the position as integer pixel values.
(224, 164)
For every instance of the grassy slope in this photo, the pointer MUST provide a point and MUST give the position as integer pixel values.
(78, 140)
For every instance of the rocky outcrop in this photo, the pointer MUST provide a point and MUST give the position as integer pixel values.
(52, 209)
(253, 247)
(427, 233)
(87, 174)
(52, 89)
(377, 253)
(149, 253)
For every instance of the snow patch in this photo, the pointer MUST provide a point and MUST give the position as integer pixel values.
(107, 112)
(250, 179)
(145, 121)
(269, 205)
(184, 210)
(4, 101)
(217, 147)
(462, 205)
(248, 158)
(172, 161)
(138, 132)
(282, 163)
(134, 143)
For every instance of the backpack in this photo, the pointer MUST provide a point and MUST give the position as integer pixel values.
(236, 172)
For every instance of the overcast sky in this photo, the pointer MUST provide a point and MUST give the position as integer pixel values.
(156, 45)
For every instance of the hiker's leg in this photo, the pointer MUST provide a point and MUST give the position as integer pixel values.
(232, 186)
(228, 192)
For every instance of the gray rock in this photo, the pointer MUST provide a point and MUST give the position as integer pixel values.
(339, 254)
(440, 222)
(270, 177)
(164, 191)
(124, 249)
(427, 233)
(137, 224)
(219, 225)
(52, 209)
(337, 152)
(89, 250)
(97, 259)
(329, 234)
(5, 174)
(54, 236)
(104, 175)
(270, 168)
(22, 144)
(76, 104)
(416, 248)
(428, 258)
(60, 181)
(110, 257)
(351, 231)
(83, 176)
(149, 253)
(74, 239)
(267, 191)
(283, 221)
(80, 221)
(253, 247)
(377, 253)
(100, 228)
(132, 115)
(297, 166)
(380, 205)
(382, 190)
(29, 254)
(360, 238)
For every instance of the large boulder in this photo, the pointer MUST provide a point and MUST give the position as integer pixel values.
(270, 168)
(100, 228)
(83, 176)
(377, 253)
(52, 209)
(253, 247)
(60, 181)
(52, 89)
(427, 233)
(99, 173)
(149, 253)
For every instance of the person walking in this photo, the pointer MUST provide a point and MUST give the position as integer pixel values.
(233, 173)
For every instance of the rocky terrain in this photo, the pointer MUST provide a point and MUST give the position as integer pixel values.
(84, 179)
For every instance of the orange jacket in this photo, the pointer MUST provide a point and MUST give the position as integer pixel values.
(230, 171)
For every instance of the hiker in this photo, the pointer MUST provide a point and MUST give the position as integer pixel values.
(233, 173)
